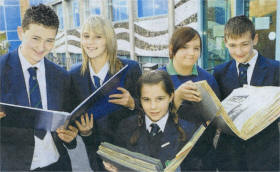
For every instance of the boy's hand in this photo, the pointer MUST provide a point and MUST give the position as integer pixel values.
(67, 135)
(86, 125)
(187, 91)
(110, 167)
(124, 99)
(2, 115)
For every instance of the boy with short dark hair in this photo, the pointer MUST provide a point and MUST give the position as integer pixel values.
(247, 67)
(27, 78)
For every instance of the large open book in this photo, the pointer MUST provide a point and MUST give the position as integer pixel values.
(50, 120)
(126, 160)
(245, 112)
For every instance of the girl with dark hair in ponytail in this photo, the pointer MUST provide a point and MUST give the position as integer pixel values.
(156, 130)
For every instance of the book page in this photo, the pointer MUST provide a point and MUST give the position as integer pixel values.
(182, 154)
(128, 160)
(245, 102)
(210, 103)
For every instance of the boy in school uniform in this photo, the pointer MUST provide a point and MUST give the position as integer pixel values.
(247, 67)
(27, 78)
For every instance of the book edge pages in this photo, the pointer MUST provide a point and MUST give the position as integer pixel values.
(134, 162)
(182, 154)
(221, 112)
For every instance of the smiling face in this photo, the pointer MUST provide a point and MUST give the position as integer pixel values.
(37, 41)
(187, 55)
(94, 44)
(155, 101)
(241, 48)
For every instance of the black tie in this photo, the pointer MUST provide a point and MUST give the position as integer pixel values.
(155, 129)
(242, 74)
(96, 81)
(35, 96)
(154, 140)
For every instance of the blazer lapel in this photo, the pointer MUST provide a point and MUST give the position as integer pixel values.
(232, 76)
(85, 85)
(15, 81)
(143, 141)
(52, 85)
(169, 142)
(259, 73)
(108, 76)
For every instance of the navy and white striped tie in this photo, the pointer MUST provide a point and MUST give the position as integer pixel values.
(96, 81)
(242, 74)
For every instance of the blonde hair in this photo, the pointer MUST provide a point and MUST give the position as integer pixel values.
(101, 26)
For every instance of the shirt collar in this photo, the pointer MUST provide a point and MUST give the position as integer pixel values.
(171, 70)
(102, 73)
(161, 123)
(26, 65)
(251, 62)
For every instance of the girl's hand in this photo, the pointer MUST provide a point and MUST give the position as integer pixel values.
(124, 99)
(67, 135)
(110, 167)
(187, 91)
(86, 125)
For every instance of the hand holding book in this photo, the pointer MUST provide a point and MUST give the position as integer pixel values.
(187, 91)
(110, 167)
(50, 120)
(124, 99)
(86, 125)
(67, 135)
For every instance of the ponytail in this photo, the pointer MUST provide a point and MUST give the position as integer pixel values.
(175, 117)
(136, 134)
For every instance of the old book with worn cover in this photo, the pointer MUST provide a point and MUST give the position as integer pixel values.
(50, 120)
(126, 160)
(245, 112)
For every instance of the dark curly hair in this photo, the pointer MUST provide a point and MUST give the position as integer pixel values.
(40, 14)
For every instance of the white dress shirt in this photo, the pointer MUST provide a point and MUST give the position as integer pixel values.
(161, 123)
(101, 74)
(251, 67)
(45, 151)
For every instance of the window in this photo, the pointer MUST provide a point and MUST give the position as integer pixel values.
(217, 12)
(76, 15)
(35, 2)
(59, 12)
(92, 7)
(263, 14)
(45, 1)
(120, 11)
(148, 8)
(95, 6)
(161, 61)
